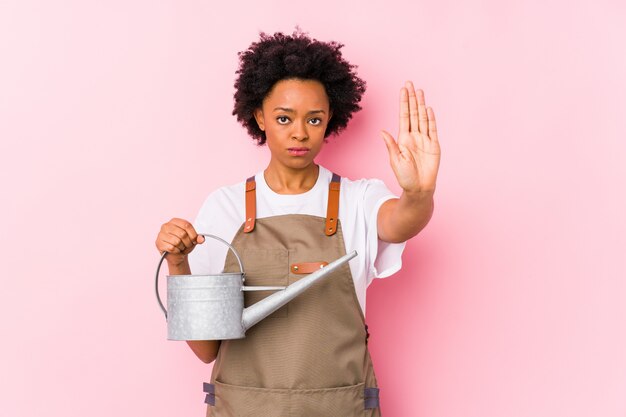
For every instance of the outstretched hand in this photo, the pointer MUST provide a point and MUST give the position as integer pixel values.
(415, 156)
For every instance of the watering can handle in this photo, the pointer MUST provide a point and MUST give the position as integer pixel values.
(156, 284)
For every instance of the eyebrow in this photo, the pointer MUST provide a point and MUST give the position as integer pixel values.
(292, 111)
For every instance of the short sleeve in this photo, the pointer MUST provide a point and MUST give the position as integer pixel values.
(221, 215)
(385, 259)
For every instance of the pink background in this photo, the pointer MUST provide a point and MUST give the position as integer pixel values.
(115, 117)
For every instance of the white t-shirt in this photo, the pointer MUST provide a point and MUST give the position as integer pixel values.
(223, 213)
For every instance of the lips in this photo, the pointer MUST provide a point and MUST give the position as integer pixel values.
(298, 151)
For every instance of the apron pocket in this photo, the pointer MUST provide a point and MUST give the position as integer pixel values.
(345, 401)
(241, 401)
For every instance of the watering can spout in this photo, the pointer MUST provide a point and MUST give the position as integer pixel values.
(258, 311)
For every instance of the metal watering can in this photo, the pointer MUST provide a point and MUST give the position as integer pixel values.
(211, 307)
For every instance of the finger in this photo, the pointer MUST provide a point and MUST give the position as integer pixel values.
(184, 237)
(413, 112)
(404, 110)
(169, 244)
(421, 109)
(193, 235)
(432, 125)
(392, 146)
(162, 247)
(174, 234)
(175, 241)
(184, 230)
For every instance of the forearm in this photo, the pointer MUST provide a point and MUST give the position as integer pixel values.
(402, 218)
(205, 350)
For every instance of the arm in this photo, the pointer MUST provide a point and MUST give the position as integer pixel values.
(178, 237)
(399, 219)
(415, 162)
(205, 350)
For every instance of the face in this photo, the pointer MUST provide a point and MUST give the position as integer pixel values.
(294, 116)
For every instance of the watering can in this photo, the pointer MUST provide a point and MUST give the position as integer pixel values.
(211, 307)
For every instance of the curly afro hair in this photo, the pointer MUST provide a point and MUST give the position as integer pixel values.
(278, 57)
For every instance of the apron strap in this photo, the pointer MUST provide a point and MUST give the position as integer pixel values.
(333, 205)
(250, 204)
(332, 212)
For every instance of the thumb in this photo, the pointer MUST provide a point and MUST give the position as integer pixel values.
(200, 239)
(392, 146)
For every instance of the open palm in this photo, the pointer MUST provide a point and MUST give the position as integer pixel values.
(415, 156)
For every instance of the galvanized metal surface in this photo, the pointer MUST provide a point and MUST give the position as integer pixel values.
(204, 307)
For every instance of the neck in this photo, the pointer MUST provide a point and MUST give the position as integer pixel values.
(286, 180)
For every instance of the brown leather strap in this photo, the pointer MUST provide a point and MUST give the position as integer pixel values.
(250, 204)
(331, 214)
(307, 267)
(333, 205)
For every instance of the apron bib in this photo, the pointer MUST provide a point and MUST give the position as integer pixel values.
(310, 357)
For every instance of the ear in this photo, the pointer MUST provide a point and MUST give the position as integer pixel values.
(258, 115)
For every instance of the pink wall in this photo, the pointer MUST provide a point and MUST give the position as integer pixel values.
(115, 117)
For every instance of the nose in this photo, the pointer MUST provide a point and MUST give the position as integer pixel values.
(299, 131)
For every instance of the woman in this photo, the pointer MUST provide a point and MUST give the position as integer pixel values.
(310, 357)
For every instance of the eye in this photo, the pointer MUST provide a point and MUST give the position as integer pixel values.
(315, 121)
(282, 120)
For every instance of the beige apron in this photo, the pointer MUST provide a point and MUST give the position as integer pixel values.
(310, 357)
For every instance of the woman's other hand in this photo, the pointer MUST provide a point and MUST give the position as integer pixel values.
(178, 238)
(415, 156)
